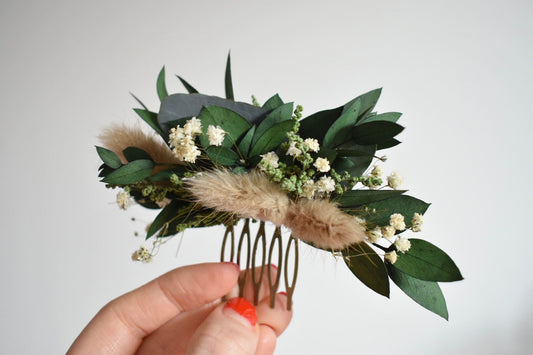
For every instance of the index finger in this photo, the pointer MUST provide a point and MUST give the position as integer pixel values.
(121, 325)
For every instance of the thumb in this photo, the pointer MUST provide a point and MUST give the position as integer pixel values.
(229, 329)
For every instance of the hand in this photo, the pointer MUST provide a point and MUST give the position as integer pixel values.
(181, 312)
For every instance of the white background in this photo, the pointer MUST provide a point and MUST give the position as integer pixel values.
(460, 71)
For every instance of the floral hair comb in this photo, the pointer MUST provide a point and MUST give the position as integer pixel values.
(215, 161)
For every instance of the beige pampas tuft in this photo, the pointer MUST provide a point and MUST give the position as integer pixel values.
(118, 137)
(252, 195)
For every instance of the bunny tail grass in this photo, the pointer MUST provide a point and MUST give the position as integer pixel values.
(322, 224)
(118, 137)
(249, 195)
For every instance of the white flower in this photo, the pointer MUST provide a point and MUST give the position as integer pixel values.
(377, 172)
(326, 184)
(388, 232)
(142, 254)
(312, 144)
(397, 221)
(402, 244)
(360, 221)
(123, 200)
(216, 135)
(193, 127)
(416, 222)
(308, 189)
(270, 158)
(293, 151)
(176, 136)
(322, 165)
(191, 153)
(391, 257)
(394, 180)
(374, 235)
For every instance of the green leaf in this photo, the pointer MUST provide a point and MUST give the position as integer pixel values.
(280, 114)
(339, 132)
(130, 173)
(151, 119)
(228, 82)
(427, 262)
(231, 122)
(187, 86)
(134, 153)
(388, 144)
(316, 125)
(140, 102)
(356, 198)
(108, 157)
(368, 102)
(425, 293)
(106, 170)
(164, 217)
(388, 116)
(222, 155)
(161, 86)
(375, 132)
(246, 141)
(358, 163)
(166, 174)
(273, 103)
(272, 138)
(404, 204)
(368, 267)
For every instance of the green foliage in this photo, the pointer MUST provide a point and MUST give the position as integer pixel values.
(316, 125)
(161, 86)
(273, 103)
(339, 132)
(425, 293)
(279, 114)
(356, 159)
(130, 173)
(228, 81)
(425, 261)
(222, 155)
(246, 141)
(375, 132)
(151, 119)
(164, 217)
(134, 153)
(108, 157)
(368, 267)
(379, 212)
(357, 198)
(388, 117)
(188, 87)
(272, 138)
(368, 102)
(232, 123)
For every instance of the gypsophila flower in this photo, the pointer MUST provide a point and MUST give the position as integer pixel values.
(397, 221)
(271, 158)
(360, 221)
(123, 200)
(191, 153)
(193, 127)
(326, 184)
(322, 165)
(395, 180)
(402, 244)
(416, 222)
(377, 172)
(308, 189)
(374, 235)
(216, 135)
(391, 257)
(312, 144)
(388, 232)
(176, 136)
(293, 151)
(142, 254)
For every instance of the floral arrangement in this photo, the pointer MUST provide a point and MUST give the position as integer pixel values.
(213, 161)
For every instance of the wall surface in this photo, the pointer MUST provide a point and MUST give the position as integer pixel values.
(460, 71)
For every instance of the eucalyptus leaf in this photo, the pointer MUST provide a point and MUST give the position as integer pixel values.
(231, 122)
(164, 217)
(272, 138)
(427, 262)
(222, 155)
(375, 132)
(179, 106)
(273, 103)
(130, 173)
(165, 175)
(151, 119)
(426, 293)
(280, 114)
(228, 81)
(139, 101)
(368, 102)
(388, 144)
(387, 116)
(368, 267)
(316, 125)
(246, 141)
(106, 170)
(356, 198)
(134, 153)
(358, 163)
(188, 87)
(339, 132)
(161, 86)
(404, 204)
(108, 157)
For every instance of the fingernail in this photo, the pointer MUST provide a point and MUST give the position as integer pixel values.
(283, 293)
(274, 267)
(244, 308)
(232, 263)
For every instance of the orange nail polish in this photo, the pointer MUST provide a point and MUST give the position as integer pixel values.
(244, 308)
